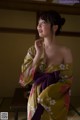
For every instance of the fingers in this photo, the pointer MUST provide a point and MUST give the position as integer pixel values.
(39, 42)
(21, 81)
(39, 46)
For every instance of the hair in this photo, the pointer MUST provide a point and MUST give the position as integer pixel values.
(53, 18)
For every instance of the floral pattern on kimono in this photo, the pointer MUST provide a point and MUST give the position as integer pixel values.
(55, 98)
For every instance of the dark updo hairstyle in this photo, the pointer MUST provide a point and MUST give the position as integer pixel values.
(53, 18)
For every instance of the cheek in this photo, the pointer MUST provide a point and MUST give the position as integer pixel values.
(47, 27)
(47, 30)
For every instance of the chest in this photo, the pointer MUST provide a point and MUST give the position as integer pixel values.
(53, 56)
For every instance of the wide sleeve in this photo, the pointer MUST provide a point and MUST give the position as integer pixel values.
(27, 71)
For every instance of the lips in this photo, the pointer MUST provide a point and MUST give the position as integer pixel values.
(39, 30)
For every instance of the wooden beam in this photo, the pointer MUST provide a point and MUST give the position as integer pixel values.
(39, 6)
(34, 31)
(49, 1)
(17, 30)
(70, 34)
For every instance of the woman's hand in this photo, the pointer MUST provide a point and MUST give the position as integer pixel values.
(39, 51)
(39, 46)
(21, 81)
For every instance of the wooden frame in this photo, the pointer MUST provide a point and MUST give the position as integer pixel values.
(33, 31)
(39, 6)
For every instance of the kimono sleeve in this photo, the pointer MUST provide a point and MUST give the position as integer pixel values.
(27, 71)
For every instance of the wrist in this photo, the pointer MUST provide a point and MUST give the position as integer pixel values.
(38, 54)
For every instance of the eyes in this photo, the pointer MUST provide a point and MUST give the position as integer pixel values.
(42, 23)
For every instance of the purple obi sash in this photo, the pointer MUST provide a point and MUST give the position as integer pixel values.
(46, 79)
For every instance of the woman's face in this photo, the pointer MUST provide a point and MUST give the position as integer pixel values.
(44, 28)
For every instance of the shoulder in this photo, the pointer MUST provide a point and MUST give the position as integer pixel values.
(30, 52)
(65, 50)
(67, 54)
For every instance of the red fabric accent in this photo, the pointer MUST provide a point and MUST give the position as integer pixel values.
(67, 100)
(65, 88)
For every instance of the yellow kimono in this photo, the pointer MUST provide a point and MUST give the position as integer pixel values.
(54, 98)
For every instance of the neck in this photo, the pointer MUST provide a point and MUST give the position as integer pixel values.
(49, 41)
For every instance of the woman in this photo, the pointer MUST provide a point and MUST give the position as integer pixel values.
(48, 67)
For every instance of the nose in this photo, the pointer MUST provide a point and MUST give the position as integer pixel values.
(38, 26)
